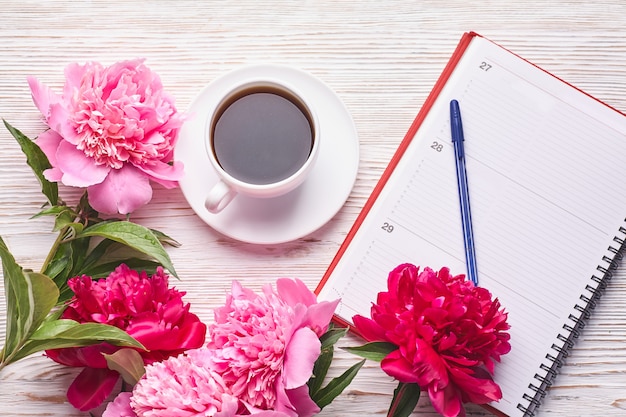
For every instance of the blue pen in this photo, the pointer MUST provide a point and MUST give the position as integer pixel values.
(464, 200)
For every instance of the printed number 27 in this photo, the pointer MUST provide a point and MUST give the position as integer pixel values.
(484, 66)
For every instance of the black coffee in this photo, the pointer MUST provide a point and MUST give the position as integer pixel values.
(261, 136)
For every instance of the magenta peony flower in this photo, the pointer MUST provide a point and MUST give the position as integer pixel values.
(144, 307)
(448, 333)
(112, 131)
(265, 345)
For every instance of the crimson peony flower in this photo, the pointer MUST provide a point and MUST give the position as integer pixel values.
(112, 131)
(144, 307)
(448, 333)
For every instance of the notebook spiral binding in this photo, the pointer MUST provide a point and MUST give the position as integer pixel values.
(565, 341)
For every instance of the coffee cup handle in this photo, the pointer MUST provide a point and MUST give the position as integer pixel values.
(220, 195)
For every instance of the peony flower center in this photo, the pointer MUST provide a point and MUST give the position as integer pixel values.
(124, 125)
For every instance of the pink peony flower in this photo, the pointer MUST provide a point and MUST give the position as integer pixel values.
(265, 345)
(112, 131)
(448, 333)
(184, 386)
(144, 307)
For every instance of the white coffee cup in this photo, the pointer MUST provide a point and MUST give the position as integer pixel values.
(262, 141)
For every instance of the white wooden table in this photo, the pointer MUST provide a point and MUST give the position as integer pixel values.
(381, 57)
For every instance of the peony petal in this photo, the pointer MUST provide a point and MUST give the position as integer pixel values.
(53, 174)
(396, 365)
(151, 333)
(82, 356)
(120, 407)
(478, 388)
(42, 95)
(369, 329)
(49, 142)
(230, 406)
(78, 170)
(294, 291)
(123, 191)
(165, 174)
(302, 402)
(301, 354)
(446, 402)
(91, 387)
(318, 316)
(428, 366)
(264, 413)
(75, 73)
(60, 121)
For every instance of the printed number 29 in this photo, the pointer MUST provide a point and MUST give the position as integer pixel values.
(387, 227)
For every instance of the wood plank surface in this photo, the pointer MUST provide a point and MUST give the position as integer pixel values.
(382, 58)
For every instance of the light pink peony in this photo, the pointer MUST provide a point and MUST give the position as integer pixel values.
(145, 307)
(186, 385)
(266, 344)
(448, 333)
(112, 131)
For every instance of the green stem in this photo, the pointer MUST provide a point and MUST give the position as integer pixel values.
(55, 247)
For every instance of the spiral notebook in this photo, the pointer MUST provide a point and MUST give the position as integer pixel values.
(547, 182)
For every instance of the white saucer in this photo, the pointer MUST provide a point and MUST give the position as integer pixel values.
(293, 215)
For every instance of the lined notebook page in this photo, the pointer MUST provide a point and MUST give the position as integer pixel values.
(546, 174)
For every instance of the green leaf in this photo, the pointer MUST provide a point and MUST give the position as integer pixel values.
(44, 297)
(96, 255)
(324, 360)
(165, 239)
(51, 211)
(134, 236)
(30, 297)
(85, 333)
(376, 351)
(55, 335)
(104, 269)
(38, 161)
(50, 329)
(65, 218)
(129, 364)
(332, 336)
(59, 269)
(320, 369)
(405, 398)
(336, 386)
